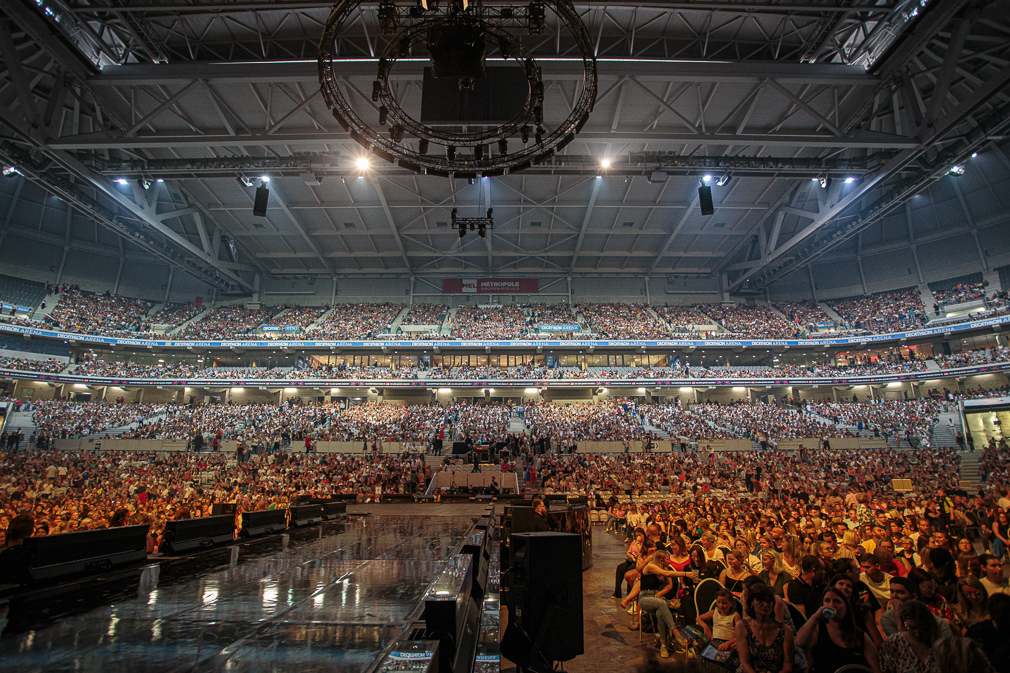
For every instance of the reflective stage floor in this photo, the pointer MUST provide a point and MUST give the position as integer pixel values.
(332, 603)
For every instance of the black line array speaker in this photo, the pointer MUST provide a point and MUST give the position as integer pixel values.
(56, 557)
(545, 600)
(705, 199)
(260, 203)
(264, 522)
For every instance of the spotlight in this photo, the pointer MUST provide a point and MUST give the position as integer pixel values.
(478, 153)
(265, 178)
(361, 163)
(122, 181)
(956, 169)
(450, 152)
(974, 154)
(503, 146)
(539, 138)
(481, 230)
(422, 146)
(462, 230)
(11, 170)
(490, 213)
(524, 134)
(849, 180)
(383, 113)
(246, 182)
(724, 180)
(707, 179)
(376, 89)
(605, 163)
(396, 132)
(823, 182)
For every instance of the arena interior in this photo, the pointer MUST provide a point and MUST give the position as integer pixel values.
(476, 336)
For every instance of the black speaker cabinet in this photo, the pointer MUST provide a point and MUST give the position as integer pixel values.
(56, 557)
(334, 510)
(545, 600)
(304, 515)
(189, 534)
(219, 508)
(260, 203)
(264, 522)
(460, 447)
(705, 200)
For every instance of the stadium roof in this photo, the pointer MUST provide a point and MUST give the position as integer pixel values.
(152, 117)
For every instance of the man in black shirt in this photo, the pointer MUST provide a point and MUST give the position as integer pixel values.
(15, 562)
(540, 516)
(805, 591)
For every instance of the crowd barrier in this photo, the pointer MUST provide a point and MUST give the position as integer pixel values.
(90, 444)
(725, 444)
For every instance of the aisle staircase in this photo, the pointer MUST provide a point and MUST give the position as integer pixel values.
(830, 312)
(398, 320)
(184, 324)
(968, 472)
(21, 420)
(927, 302)
(943, 436)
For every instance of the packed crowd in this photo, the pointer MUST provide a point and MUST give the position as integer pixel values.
(911, 420)
(91, 313)
(974, 357)
(490, 322)
(805, 314)
(55, 419)
(958, 294)
(47, 366)
(425, 314)
(300, 316)
(173, 315)
(882, 312)
(681, 319)
(836, 572)
(228, 322)
(622, 321)
(357, 321)
(752, 319)
(71, 491)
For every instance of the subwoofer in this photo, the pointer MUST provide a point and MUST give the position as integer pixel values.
(545, 600)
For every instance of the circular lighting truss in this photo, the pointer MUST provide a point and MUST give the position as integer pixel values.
(455, 34)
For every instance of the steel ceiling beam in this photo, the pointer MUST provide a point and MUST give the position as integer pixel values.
(644, 70)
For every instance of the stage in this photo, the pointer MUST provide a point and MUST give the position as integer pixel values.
(335, 602)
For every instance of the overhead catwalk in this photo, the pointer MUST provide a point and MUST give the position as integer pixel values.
(335, 603)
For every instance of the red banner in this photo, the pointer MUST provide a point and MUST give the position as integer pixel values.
(490, 286)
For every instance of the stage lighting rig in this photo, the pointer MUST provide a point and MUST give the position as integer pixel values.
(478, 224)
(457, 35)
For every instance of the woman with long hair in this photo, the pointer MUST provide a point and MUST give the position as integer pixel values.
(792, 553)
(773, 574)
(656, 584)
(833, 637)
(909, 649)
(969, 609)
(864, 616)
(763, 643)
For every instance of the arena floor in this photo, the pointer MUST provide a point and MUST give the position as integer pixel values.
(330, 604)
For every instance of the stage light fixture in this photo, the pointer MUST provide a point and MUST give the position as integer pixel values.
(724, 180)
(361, 163)
(823, 182)
(478, 153)
(605, 163)
(456, 34)
(422, 146)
